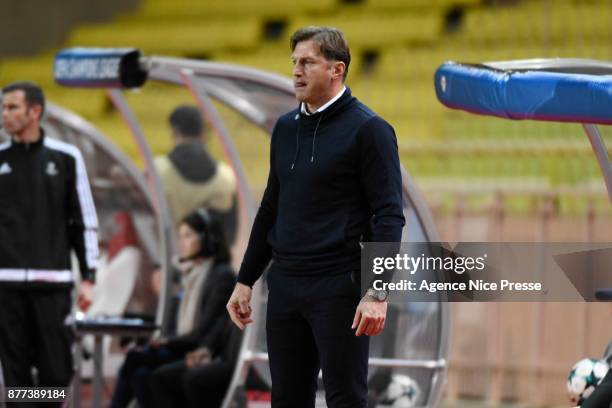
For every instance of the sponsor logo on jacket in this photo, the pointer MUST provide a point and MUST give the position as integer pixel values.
(5, 168)
(52, 169)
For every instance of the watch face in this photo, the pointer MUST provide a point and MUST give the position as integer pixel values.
(380, 295)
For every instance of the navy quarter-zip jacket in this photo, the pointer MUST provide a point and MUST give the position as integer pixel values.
(334, 181)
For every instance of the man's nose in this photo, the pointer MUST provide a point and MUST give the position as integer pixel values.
(297, 71)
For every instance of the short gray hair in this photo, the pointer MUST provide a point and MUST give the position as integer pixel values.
(332, 43)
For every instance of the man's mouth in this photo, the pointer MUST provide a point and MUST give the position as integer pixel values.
(299, 85)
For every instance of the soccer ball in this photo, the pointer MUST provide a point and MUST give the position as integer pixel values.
(584, 377)
(402, 392)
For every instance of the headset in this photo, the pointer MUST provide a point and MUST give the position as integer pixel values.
(209, 241)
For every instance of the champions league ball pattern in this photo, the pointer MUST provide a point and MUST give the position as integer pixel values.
(584, 377)
(402, 392)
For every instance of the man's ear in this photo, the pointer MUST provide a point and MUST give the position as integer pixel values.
(339, 68)
(36, 110)
(176, 137)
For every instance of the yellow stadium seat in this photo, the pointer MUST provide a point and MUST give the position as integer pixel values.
(274, 61)
(202, 9)
(196, 37)
(399, 5)
(366, 30)
(536, 22)
(38, 69)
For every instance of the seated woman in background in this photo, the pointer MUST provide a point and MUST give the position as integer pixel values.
(202, 378)
(207, 282)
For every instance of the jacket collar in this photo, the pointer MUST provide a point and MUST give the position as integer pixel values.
(33, 145)
(304, 108)
(343, 100)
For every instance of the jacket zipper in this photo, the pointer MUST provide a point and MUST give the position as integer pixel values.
(29, 207)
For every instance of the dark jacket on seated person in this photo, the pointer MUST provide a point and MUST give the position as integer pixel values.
(211, 315)
(216, 290)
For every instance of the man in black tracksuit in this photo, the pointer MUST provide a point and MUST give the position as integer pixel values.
(334, 182)
(46, 210)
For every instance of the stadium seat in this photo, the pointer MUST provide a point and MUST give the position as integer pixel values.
(396, 46)
(367, 30)
(185, 10)
(536, 22)
(38, 69)
(172, 38)
(417, 5)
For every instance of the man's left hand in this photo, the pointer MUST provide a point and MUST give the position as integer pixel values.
(85, 296)
(370, 317)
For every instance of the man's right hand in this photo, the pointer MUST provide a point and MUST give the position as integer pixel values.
(239, 305)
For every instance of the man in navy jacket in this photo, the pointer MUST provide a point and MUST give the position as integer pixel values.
(334, 182)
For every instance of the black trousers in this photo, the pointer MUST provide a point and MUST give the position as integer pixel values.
(134, 375)
(309, 328)
(602, 396)
(33, 334)
(203, 386)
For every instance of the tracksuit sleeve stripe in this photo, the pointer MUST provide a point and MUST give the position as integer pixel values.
(87, 247)
(88, 212)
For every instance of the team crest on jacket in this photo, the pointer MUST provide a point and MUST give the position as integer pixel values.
(5, 168)
(51, 169)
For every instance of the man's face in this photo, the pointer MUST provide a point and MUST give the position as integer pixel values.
(16, 114)
(312, 73)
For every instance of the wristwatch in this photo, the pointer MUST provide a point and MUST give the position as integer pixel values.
(378, 295)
